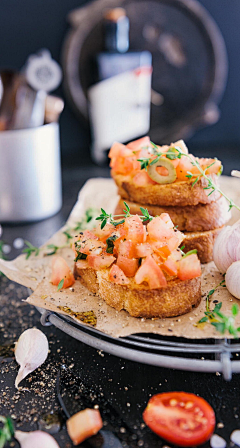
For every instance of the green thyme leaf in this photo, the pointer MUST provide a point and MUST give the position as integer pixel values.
(30, 249)
(80, 256)
(7, 431)
(204, 319)
(68, 235)
(110, 243)
(60, 284)
(235, 309)
(190, 252)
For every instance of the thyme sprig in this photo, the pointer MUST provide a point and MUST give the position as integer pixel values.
(105, 217)
(30, 249)
(171, 154)
(7, 431)
(219, 320)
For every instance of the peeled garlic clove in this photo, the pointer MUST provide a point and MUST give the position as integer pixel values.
(36, 439)
(30, 352)
(226, 248)
(232, 279)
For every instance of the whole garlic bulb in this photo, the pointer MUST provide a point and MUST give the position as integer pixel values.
(232, 279)
(36, 439)
(226, 248)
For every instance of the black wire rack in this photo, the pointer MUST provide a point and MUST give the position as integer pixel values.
(203, 355)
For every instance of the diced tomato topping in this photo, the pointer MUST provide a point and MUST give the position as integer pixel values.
(151, 273)
(116, 275)
(135, 230)
(184, 167)
(128, 265)
(170, 267)
(166, 218)
(138, 144)
(84, 424)
(159, 230)
(82, 264)
(127, 249)
(142, 178)
(189, 267)
(90, 246)
(115, 150)
(214, 169)
(143, 250)
(100, 261)
(176, 255)
(60, 271)
(161, 249)
(104, 233)
(175, 240)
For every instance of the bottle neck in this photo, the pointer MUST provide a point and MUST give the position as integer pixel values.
(116, 35)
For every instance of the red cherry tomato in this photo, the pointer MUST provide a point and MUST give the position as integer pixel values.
(180, 418)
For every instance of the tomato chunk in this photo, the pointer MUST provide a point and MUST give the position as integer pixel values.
(128, 265)
(159, 230)
(189, 267)
(161, 249)
(135, 230)
(60, 271)
(151, 273)
(127, 249)
(143, 250)
(116, 275)
(181, 418)
(104, 233)
(84, 424)
(100, 261)
(170, 267)
(138, 144)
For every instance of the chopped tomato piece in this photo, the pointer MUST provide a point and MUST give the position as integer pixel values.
(116, 275)
(82, 264)
(161, 249)
(127, 249)
(151, 273)
(142, 178)
(214, 169)
(166, 218)
(176, 255)
(115, 150)
(143, 250)
(138, 144)
(128, 265)
(60, 271)
(189, 267)
(159, 230)
(170, 267)
(100, 261)
(104, 233)
(181, 418)
(184, 167)
(90, 246)
(135, 230)
(175, 240)
(84, 424)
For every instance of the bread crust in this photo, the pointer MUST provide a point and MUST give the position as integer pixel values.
(203, 242)
(198, 218)
(178, 298)
(178, 193)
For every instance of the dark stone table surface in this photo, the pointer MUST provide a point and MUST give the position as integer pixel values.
(121, 388)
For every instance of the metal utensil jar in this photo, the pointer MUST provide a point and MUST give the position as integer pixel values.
(30, 174)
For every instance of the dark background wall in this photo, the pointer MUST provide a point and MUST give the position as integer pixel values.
(28, 25)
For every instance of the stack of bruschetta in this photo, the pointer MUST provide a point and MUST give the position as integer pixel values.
(173, 185)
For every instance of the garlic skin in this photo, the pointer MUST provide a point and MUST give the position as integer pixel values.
(36, 439)
(30, 352)
(226, 248)
(232, 279)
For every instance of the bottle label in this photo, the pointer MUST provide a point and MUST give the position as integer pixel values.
(120, 109)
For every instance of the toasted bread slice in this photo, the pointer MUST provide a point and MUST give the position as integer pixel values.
(198, 218)
(178, 193)
(203, 242)
(179, 297)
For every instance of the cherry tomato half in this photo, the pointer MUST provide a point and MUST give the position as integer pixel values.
(180, 418)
